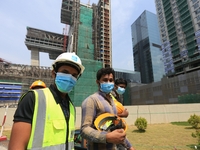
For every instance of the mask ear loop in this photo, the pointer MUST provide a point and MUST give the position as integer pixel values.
(55, 73)
(78, 77)
(54, 68)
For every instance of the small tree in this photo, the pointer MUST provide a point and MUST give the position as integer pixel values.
(197, 135)
(141, 124)
(194, 121)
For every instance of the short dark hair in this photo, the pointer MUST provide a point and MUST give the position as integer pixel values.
(104, 71)
(120, 81)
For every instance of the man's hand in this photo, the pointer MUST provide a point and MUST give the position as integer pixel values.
(124, 114)
(116, 137)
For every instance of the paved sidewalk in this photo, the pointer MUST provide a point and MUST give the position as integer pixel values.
(4, 145)
(3, 148)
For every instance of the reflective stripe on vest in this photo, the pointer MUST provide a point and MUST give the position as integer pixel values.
(49, 126)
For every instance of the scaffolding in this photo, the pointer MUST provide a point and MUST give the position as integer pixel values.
(104, 32)
(23, 76)
(86, 85)
(85, 39)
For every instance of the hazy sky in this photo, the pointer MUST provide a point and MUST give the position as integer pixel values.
(15, 16)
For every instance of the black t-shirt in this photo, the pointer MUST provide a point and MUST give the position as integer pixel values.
(25, 109)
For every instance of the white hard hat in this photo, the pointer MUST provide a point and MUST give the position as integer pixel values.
(71, 59)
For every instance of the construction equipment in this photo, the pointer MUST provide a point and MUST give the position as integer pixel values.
(109, 122)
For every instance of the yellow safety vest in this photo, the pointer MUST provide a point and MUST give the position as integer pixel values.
(49, 127)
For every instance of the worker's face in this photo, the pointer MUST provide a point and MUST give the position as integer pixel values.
(65, 78)
(120, 88)
(67, 70)
(120, 85)
(106, 78)
(106, 83)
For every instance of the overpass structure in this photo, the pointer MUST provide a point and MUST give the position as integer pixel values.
(44, 41)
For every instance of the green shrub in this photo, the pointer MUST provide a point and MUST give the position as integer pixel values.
(141, 124)
(197, 135)
(194, 121)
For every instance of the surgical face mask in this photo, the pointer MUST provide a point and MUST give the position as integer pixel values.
(65, 82)
(106, 87)
(120, 90)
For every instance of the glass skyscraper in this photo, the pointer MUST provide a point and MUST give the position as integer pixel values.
(147, 48)
(179, 23)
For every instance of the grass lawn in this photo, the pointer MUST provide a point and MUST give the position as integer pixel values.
(6, 133)
(174, 136)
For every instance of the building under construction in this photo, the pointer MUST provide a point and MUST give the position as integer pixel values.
(87, 33)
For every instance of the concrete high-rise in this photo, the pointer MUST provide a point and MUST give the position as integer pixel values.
(146, 48)
(179, 23)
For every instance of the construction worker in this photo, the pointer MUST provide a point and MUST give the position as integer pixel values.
(116, 94)
(38, 84)
(45, 118)
(97, 104)
(120, 88)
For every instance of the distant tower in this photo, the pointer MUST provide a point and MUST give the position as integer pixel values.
(102, 26)
(179, 22)
(146, 48)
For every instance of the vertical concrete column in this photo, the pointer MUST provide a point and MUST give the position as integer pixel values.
(35, 58)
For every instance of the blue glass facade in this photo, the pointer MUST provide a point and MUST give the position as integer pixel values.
(129, 76)
(9, 92)
(146, 48)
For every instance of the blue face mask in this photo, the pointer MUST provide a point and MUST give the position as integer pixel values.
(106, 87)
(65, 82)
(120, 90)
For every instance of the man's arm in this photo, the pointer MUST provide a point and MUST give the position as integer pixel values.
(87, 123)
(21, 128)
(19, 136)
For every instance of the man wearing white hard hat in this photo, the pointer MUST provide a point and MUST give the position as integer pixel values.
(45, 118)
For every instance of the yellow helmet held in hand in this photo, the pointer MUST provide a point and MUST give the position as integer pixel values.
(109, 122)
(38, 84)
